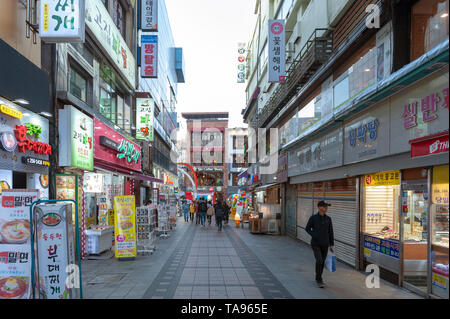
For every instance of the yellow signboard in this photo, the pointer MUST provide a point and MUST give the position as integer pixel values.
(125, 226)
(382, 178)
(440, 185)
(439, 281)
(11, 111)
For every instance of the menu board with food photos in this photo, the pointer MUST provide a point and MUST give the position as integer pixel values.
(15, 243)
(125, 226)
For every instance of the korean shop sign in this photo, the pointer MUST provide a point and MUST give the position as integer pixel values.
(241, 50)
(62, 20)
(15, 243)
(149, 56)
(106, 33)
(144, 118)
(114, 149)
(382, 179)
(24, 143)
(149, 15)
(8, 110)
(76, 134)
(277, 51)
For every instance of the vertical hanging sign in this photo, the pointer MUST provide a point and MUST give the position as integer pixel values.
(62, 21)
(241, 62)
(144, 119)
(277, 51)
(149, 15)
(149, 56)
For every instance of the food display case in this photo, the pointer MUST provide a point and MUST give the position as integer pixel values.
(99, 238)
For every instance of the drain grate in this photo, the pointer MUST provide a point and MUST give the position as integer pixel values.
(102, 279)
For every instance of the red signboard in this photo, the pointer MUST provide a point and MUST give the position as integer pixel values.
(114, 149)
(430, 145)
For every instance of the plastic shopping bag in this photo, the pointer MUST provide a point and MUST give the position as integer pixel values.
(330, 262)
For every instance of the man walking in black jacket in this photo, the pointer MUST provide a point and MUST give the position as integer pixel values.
(321, 230)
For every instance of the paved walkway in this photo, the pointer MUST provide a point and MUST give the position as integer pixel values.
(202, 263)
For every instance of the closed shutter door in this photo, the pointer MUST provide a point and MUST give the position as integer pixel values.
(341, 194)
(304, 210)
(291, 211)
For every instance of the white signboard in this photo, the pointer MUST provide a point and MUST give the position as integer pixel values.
(93, 183)
(106, 33)
(149, 15)
(62, 20)
(149, 56)
(55, 250)
(277, 51)
(144, 118)
(76, 134)
(15, 243)
(241, 62)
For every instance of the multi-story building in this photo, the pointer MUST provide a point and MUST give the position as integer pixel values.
(162, 89)
(363, 120)
(25, 101)
(237, 156)
(206, 145)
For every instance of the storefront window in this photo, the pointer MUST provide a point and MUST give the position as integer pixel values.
(356, 79)
(210, 179)
(77, 85)
(429, 25)
(381, 209)
(440, 232)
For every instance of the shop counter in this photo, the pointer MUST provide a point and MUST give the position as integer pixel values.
(100, 239)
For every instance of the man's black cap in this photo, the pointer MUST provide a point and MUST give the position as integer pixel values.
(323, 203)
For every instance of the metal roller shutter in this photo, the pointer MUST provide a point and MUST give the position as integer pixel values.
(341, 194)
(304, 210)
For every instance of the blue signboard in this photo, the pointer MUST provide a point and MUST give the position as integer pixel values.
(384, 246)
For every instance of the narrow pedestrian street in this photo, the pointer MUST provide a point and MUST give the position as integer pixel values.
(203, 263)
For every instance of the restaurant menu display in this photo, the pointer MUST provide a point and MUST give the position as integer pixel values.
(146, 224)
(55, 249)
(15, 243)
(125, 226)
(67, 188)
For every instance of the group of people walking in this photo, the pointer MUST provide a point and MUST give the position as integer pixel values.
(203, 212)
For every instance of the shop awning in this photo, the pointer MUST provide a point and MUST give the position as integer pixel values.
(129, 173)
(265, 187)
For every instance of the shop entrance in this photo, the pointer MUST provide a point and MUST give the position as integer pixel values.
(414, 219)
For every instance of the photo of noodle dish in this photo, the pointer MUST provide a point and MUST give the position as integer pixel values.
(125, 225)
(15, 231)
(13, 287)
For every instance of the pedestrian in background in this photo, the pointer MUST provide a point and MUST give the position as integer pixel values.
(202, 208)
(192, 211)
(185, 207)
(197, 216)
(226, 211)
(219, 213)
(210, 212)
(320, 228)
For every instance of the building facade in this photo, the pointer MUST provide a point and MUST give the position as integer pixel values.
(237, 157)
(363, 120)
(207, 144)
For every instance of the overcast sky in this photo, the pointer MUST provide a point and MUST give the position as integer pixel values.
(208, 31)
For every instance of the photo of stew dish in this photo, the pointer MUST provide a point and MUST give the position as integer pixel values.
(13, 287)
(15, 232)
(51, 219)
(43, 179)
(125, 212)
(124, 225)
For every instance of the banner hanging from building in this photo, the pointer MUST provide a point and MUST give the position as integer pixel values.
(277, 51)
(242, 50)
(149, 15)
(149, 56)
(144, 118)
(62, 21)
